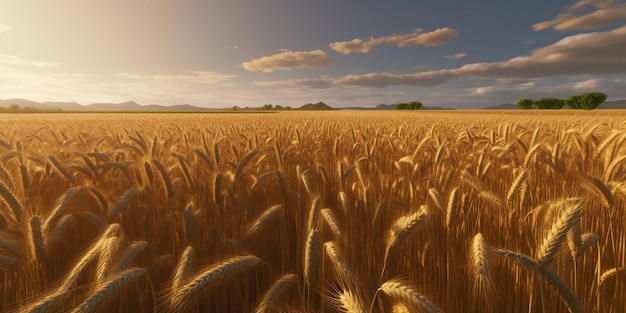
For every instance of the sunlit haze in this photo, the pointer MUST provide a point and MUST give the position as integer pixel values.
(458, 54)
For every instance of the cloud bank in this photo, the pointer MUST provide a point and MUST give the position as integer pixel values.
(288, 60)
(414, 38)
(309, 83)
(381, 80)
(591, 53)
(603, 14)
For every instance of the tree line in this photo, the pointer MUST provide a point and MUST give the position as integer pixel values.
(586, 101)
(415, 105)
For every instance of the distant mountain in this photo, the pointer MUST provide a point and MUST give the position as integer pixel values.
(316, 106)
(124, 106)
(393, 107)
(618, 104)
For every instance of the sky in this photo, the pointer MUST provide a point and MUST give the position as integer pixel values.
(210, 53)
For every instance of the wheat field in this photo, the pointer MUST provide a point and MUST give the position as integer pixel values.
(313, 212)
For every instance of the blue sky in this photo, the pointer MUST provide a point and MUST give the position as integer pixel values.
(463, 54)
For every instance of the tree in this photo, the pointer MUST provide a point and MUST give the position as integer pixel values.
(402, 106)
(573, 102)
(549, 103)
(278, 107)
(15, 107)
(267, 107)
(592, 100)
(415, 105)
(525, 103)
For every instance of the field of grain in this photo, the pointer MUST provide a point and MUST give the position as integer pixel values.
(313, 212)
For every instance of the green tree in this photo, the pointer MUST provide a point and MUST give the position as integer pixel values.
(592, 100)
(278, 107)
(415, 105)
(525, 103)
(267, 107)
(15, 107)
(402, 106)
(573, 102)
(549, 103)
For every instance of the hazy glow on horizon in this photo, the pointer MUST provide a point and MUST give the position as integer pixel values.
(347, 53)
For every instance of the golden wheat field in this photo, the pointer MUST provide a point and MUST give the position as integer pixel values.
(313, 212)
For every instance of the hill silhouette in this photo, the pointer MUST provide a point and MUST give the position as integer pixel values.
(316, 106)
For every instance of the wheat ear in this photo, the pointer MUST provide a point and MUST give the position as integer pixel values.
(400, 230)
(610, 273)
(557, 234)
(214, 274)
(60, 209)
(480, 273)
(565, 293)
(129, 255)
(63, 170)
(311, 256)
(453, 207)
(263, 219)
(128, 197)
(11, 200)
(183, 267)
(434, 194)
(37, 244)
(398, 290)
(332, 222)
(341, 266)
(107, 289)
(271, 296)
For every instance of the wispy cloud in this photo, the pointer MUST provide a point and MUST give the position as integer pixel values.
(196, 77)
(4, 28)
(414, 38)
(288, 60)
(591, 53)
(586, 15)
(381, 80)
(309, 83)
(455, 56)
(14, 60)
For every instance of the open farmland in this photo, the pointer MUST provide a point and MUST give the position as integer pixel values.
(313, 212)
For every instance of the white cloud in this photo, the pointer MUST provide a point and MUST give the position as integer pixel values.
(381, 80)
(197, 77)
(455, 56)
(414, 38)
(4, 28)
(310, 83)
(603, 14)
(288, 60)
(13, 60)
(592, 53)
